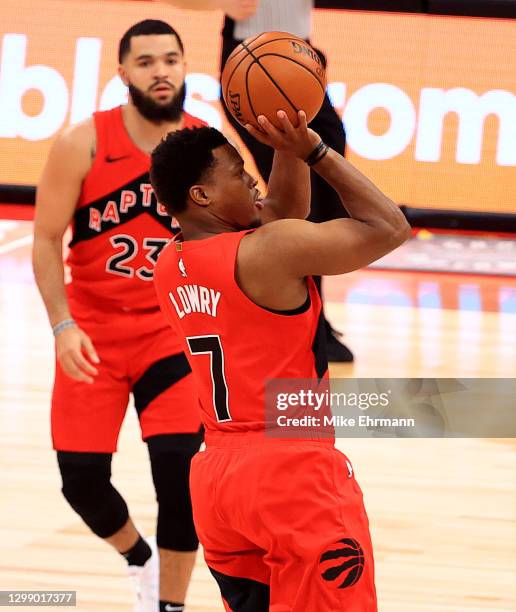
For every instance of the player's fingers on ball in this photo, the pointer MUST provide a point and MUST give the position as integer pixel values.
(303, 125)
(276, 137)
(285, 122)
(267, 127)
(258, 134)
(254, 131)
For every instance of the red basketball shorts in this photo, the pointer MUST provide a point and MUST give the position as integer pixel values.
(283, 525)
(139, 354)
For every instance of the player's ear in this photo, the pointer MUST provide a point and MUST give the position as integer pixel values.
(123, 74)
(198, 195)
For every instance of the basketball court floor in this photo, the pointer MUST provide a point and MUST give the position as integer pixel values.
(442, 511)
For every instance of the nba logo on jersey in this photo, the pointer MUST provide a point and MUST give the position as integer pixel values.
(182, 268)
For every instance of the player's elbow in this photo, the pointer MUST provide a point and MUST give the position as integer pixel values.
(393, 237)
(44, 246)
(401, 232)
(395, 231)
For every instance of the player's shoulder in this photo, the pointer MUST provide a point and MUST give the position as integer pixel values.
(273, 241)
(78, 137)
(279, 230)
(191, 121)
(73, 149)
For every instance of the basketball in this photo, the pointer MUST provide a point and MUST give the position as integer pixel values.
(271, 72)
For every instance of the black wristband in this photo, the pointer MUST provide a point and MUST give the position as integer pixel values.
(314, 154)
(320, 154)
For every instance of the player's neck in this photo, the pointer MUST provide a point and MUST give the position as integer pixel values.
(196, 229)
(146, 134)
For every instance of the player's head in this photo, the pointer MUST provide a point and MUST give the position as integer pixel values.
(152, 65)
(198, 176)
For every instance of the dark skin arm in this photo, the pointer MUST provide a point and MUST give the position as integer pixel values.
(273, 261)
(68, 163)
(288, 193)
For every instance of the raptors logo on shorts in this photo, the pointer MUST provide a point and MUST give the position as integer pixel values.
(343, 566)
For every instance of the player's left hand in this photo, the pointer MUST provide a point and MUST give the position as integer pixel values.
(299, 141)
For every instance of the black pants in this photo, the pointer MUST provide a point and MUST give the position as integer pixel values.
(325, 203)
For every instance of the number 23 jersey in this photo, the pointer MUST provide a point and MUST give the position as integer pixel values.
(119, 229)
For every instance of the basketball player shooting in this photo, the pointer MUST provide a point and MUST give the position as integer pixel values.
(237, 287)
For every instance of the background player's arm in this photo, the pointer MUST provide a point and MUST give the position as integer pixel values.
(236, 9)
(57, 195)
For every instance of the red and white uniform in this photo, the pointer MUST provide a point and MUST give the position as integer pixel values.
(119, 230)
(270, 513)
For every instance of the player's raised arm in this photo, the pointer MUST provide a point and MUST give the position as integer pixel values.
(299, 248)
(58, 191)
(288, 193)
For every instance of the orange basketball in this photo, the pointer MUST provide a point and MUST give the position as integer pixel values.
(271, 72)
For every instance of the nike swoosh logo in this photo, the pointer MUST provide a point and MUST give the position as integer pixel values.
(111, 160)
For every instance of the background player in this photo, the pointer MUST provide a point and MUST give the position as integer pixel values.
(111, 338)
(282, 522)
(247, 18)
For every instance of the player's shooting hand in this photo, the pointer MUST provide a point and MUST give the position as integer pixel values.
(239, 9)
(76, 354)
(299, 141)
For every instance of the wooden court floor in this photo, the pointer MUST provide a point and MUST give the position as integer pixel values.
(442, 512)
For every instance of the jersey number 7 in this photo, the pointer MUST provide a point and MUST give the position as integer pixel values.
(211, 345)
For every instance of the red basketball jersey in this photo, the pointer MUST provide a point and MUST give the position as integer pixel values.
(232, 344)
(119, 229)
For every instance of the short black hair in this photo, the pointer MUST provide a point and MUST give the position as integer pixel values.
(146, 27)
(180, 160)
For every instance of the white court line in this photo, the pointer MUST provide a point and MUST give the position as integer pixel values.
(15, 244)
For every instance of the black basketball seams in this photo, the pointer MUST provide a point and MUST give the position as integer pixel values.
(238, 49)
(257, 61)
(245, 47)
(299, 64)
(247, 91)
(249, 99)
